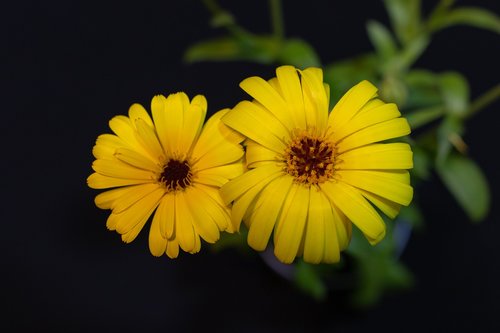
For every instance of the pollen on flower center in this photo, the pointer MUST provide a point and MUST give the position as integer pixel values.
(176, 175)
(310, 159)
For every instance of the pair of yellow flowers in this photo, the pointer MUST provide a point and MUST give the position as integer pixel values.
(281, 163)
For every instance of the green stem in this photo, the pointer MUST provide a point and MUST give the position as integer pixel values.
(484, 100)
(277, 19)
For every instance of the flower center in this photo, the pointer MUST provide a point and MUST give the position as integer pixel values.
(310, 159)
(176, 175)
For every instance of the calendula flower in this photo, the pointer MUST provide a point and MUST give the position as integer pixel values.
(312, 173)
(171, 165)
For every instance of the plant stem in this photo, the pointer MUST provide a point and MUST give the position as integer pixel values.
(484, 100)
(277, 19)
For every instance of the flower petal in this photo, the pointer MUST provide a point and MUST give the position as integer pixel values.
(165, 215)
(356, 208)
(315, 98)
(377, 156)
(137, 111)
(139, 212)
(184, 223)
(204, 214)
(350, 104)
(315, 228)
(119, 169)
(264, 93)
(220, 175)
(236, 187)
(241, 204)
(257, 124)
(291, 90)
(292, 225)
(389, 208)
(215, 134)
(136, 159)
(374, 115)
(194, 117)
(157, 243)
(390, 185)
(98, 181)
(266, 211)
(136, 193)
(393, 128)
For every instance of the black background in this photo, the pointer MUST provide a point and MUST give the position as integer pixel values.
(70, 66)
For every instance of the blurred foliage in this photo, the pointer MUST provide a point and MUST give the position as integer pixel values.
(438, 104)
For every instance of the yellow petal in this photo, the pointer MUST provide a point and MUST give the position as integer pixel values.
(217, 209)
(315, 228)
(137, 160)
(204, 213)
(220, 175)
(383, 112)
(292, 226)
(119, 169)
(236, 187)
(124, 129)
(172, 248)
(241, 204)
(393, 128)
(291, 91)
(139, 212)
(257, 124)
(146, 136)
(343, 227)
(356, 208)
(215, 134)
(157, 243)
(176, 106)
(194, 118)
(386, 184)
(98, 181)
(315, 98)
(106, 145)
(105, 200)
(222, 154)
(184, 223)
(266, 211)
(135, 193)
(389, 208)
(137, 111)
(165, 215)
(264, 93)
(350, 104)
(378, 156)
(256, 153)
(331, 238)
(161, 119)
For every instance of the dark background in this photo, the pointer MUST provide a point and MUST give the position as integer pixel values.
(69, 66)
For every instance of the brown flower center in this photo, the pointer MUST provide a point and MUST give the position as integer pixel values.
(310, 159)
(176, 175)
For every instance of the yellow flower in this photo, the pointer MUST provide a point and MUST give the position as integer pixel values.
(171, 165)
(313, 173)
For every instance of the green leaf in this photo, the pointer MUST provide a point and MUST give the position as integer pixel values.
(298, 53)
(381, 39)
(251, 48)
(421, 163)
(449, 128)
(407, 57)
(344, 74)
(413, 215)
(405, 18)
(421, 117)
(472, 16)
(423, 90)
(467, 183)
(455, 93)
(308, 279)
